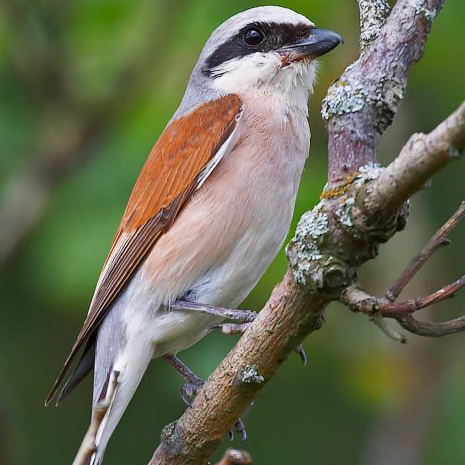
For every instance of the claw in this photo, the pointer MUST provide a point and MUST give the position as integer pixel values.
(301, 352)
(195, 384)
(189, 390)
(239, 428)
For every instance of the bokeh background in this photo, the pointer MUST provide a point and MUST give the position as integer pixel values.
(86, 87)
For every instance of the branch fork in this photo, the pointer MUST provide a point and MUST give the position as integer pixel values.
(363, 206)
(358, 300)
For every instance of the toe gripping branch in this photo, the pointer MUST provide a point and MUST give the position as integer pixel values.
(192, 387)
(242, 319)
(379, 308)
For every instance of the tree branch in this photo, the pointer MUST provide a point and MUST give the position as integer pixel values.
(240, 377)
(338, 235)
(373, 15)
(437, 241)
(423, 328)
(421, 158)
(385, 307)
(362, 103)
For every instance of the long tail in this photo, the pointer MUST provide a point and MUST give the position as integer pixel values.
(119, 367)
(107, 413)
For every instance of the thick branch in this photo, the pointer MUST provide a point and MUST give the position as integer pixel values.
(362, 103)
(421, 158)
(330, 243)
(373, 15)
(288, 316)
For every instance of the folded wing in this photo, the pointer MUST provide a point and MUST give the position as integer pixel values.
(185, 154)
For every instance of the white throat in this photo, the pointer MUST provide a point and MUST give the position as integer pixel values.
(264, 74)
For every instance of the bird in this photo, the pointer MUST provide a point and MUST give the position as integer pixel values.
(208, 213)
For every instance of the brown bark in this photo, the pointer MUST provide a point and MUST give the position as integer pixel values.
(343, 231)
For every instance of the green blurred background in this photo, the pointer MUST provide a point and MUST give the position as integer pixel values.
(86, 87)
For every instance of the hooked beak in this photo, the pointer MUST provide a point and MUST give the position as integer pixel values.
(319, 42)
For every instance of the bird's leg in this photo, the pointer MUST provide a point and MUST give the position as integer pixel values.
(193, 383)
(242, 316)
(193, 386)
(240, 328)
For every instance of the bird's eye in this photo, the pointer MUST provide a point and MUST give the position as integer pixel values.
(253, 36)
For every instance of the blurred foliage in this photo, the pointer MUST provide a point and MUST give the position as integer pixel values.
(127, 63)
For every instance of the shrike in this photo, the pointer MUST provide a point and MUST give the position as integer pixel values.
(208, 213)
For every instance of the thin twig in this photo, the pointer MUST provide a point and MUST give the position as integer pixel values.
(394, 310)
(359, 301)
(422, 328)
(437, 241)
(380, 322)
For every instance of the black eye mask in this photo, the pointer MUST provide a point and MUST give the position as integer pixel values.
(256, 37)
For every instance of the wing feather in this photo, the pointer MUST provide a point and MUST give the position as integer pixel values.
(184, 155)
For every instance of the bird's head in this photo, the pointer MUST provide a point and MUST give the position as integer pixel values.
(265, 49)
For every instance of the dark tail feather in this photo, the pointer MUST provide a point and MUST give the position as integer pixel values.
(58, 382)
(84, 367)
(67, 365)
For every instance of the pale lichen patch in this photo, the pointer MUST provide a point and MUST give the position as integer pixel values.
(313, 223)
(343, 98)
(306, 252)
(368, 172)
(386, 97)
(454, 152)
(250, 375)
(344, 212)
(304, 249)
(421, 8)
(373, 15)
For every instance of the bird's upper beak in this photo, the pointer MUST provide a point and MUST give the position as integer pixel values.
(319, 42)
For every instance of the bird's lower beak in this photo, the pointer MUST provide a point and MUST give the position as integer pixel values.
(319, 42)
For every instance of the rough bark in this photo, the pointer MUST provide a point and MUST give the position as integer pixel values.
(360, 208)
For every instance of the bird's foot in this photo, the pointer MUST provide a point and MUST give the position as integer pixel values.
(193, 386)
(190, 390)
(241, 328)
(239, 428)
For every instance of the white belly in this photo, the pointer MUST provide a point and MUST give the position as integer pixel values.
(225, 284)
(223, 240)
